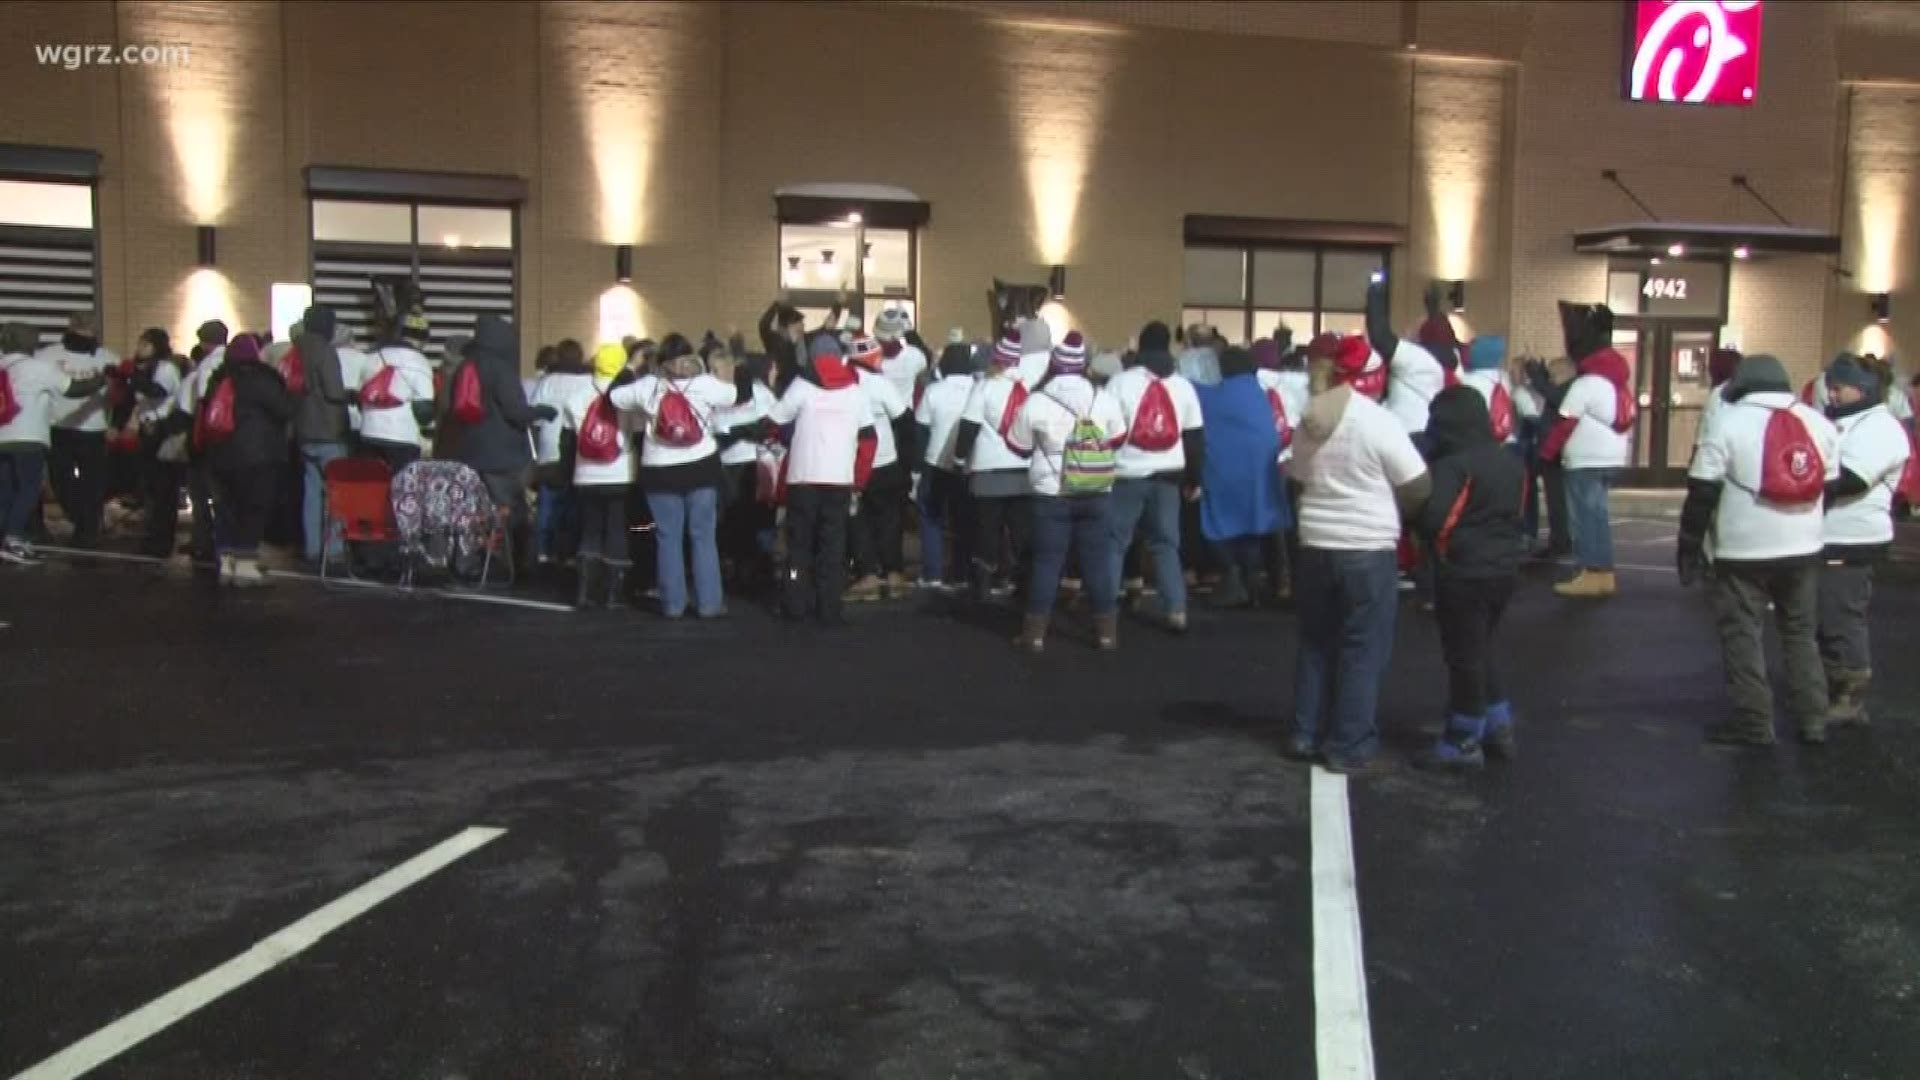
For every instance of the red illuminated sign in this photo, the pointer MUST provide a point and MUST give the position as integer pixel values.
(1699, 51)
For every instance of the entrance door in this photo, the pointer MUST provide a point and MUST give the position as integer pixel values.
(1669, 359)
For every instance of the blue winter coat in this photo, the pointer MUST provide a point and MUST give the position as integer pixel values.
(1242, 490)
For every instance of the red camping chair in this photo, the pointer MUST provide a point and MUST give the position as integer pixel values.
(359, 510)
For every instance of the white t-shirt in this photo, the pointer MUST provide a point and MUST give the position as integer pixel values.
(940, 410)
(1034, 367)
(555, 388)
(194, 386)
(1874, 447)
(1128, 388)
(826, 431)
(166, 378)
(888, 405)
(1594, 444)
(87, 413)
(1346, 501)
(1485, 382)
(412, 381)
(572, 400)
(37, 383)
(355, 366)
(744, 451)
(985, 407)
(1047, 421)
(1414, 379)
(903, 370)
(1745, 529)
(1292, 386)
(706, 394)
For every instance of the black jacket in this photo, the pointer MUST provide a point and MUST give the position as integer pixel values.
(1472, 520)
(498, 443)
(261, 410)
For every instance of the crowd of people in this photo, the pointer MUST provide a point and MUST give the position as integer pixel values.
(1332, 475)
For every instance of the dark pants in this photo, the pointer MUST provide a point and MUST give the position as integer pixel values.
(1002, 538)
(1245, 554)
(397, 455)
(1530, 497)
(1469, 612)
(21, 474)
(603, 522)
(161, 495)
(746, 524)
(244, 500)
(877, 544)
(1346, 602)
(77, 465)
(816, 550)
(205, 533)
(1081, 523)
(1559, 531)
(1740, 601)
(1846, 594)
(509, 490)
(945, 503)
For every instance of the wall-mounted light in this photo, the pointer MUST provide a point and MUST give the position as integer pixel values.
(866, 257)
(1377, 277)
(1057, 282)
(1655, 261)
(825, 269)
(1676, 249)
(1456, 296)
(1881, 304)
(204, 243)
(1743, 252)
(623, 263)
(854, 218)
(794, 275)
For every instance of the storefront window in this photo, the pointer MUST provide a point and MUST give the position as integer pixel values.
(864, 269)
(1249, 292)
(46, 254)
(462, 259)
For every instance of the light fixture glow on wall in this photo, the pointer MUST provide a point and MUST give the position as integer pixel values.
(825, 269)
(204, 243)
(854, 218)
(1057, 282)
(1676, 249)
(1456, 296)
(1881, 304)
(1743, 252)
(623, 263)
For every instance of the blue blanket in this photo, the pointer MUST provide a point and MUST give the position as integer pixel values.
(1243, 493)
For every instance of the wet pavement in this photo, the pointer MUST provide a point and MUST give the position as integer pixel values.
(901, 850)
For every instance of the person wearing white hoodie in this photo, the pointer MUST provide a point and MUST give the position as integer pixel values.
(77, 457)
(567, 376)
(944, 500)
(600, 487)
(827, 422)
(1416, 371)
(996, 476)
(880, 520)
(36, 389)
(395, 393)
(903, 363)
(212, 348)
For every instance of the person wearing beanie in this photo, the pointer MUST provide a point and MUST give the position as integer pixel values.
(826, 420)
(902, 362)
(680, 472)
(879, 520)
(496, 445)
(152, 385)
(1858, 530)
(746, 523)
(1359, 475)
(944, 500)
(1415, 370)
(1068, 432)
(996, 476)
(1757, 484)
(77, 454)
(1035, 336)
(1160, 463)
(1282, 374)
(39, 388)
(175, 432)
(247, 464)
(1592, 440)
(592, 492)
(568, 377)
(1470, 525)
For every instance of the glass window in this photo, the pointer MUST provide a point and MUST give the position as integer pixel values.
(1344, 276)
(1216, 276)
(1230, 322)
(362, 222)
(49, 206)
(467, 226)
(887, 268)
(1283, 279)
(825, 257)
(867, 270)
(1342, 323)
(1266, 323)
(1623, 290)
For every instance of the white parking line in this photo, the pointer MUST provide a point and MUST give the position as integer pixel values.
(176, 1005)
(1343, 1034)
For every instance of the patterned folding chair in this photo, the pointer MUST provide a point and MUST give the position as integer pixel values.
(448, 522)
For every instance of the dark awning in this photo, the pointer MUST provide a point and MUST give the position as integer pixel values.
(406, 185)
(1220, 229)
(1656, 237)
(57, 163)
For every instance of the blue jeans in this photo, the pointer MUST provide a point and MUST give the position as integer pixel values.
(678, 520)
(314, 457)
(1587, 515)
(556, 518)
(944, 503)
(1153, 505)
(1060, 522)
(21, 473)
(1346, 603)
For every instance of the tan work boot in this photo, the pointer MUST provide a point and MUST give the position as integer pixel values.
(226, 569)
(247, 575)
(865, 590)
(1588, 585)
(897, 587)
(1847, 697)
(1106, 632)
(1033, 634)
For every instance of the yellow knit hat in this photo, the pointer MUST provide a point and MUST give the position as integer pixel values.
(609, 359)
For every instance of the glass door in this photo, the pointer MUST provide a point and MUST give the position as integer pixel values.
(1669, 360)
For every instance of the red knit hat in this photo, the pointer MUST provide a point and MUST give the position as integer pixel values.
(1350, 356)
(1323, 346)
(864, 351)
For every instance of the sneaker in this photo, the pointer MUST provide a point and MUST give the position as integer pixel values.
(1177, 622)
(1300, 748)
(20, 553)
(1348, 766)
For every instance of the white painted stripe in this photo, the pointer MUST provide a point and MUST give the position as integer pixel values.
(85, 553)
(506, 601)
(176, 1005)
(1343, 1034)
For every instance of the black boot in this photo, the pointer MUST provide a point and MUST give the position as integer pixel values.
(584, 598)
(616, 585)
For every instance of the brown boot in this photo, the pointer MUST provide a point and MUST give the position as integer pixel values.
(897, 587)
(862, 591)
(1033, 634)
(1588, 585)
(1847, 696)
(1106, 632)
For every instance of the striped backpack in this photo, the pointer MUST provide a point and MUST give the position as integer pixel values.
(1087, 463)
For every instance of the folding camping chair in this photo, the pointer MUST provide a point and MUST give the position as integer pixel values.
(447, 519)
(358, 509)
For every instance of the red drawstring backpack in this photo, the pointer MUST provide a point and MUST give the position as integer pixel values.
(1625, 410)
(377, 392)
(1156, 427)
(599, 440)
(770, 475)
(1910, 476)
(1016, 400)
(1500, 412)
(675, 423)
(469, 406)
(215, 421)
(9, 404)
(294, 369)
(1791, 472)
(1282, 426)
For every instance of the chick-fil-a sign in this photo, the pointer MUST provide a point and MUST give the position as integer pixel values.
(1700, 51)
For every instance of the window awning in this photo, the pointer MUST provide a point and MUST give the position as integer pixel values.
(56, 163)
(1657, 237)
(880, 206)
(405, 185)
(1218, 229)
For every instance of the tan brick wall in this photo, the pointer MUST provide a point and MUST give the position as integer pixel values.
(1880, 222)
(1459, 227)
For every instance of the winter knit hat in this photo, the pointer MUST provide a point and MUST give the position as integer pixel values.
(1007, 352)
(243, 348)
(609, 360)
(1487, 353)
(1848, 370)
(1757, 374)
(823, 345)
(1324, 346)
(1035, 335)
(212, 332)
(1351, 355)
(864, 351)
(1070, 356)
(956, 336)
(891, 324)
(1266, 354)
